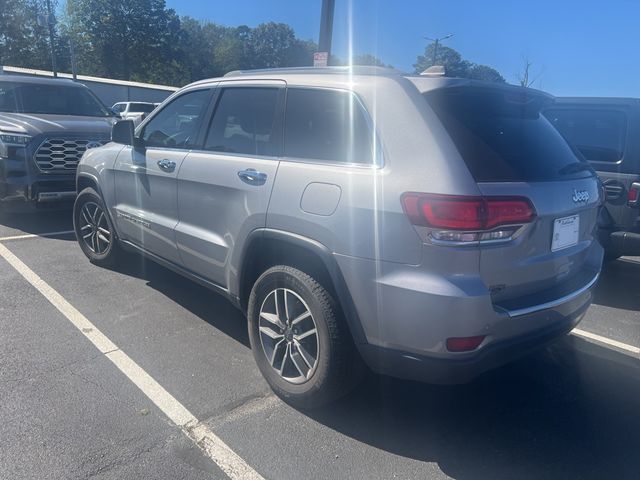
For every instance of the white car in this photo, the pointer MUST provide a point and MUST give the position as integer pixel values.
(136, 111)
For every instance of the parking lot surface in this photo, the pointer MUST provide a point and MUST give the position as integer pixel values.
(67, 411)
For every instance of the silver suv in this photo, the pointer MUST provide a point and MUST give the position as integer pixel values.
(429, 228)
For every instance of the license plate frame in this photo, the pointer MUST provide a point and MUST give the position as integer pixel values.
(566, 232)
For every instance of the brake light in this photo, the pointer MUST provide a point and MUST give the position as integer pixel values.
(466, 213)
(633, 194)
(464, 344)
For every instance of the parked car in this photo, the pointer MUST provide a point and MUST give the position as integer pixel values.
(601, 129)
(433, 228)
(136, 111)
(45, 127)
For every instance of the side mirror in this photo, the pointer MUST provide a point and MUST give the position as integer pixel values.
(122, 132)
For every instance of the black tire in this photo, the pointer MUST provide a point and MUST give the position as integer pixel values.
(338, 366)
(102, 255)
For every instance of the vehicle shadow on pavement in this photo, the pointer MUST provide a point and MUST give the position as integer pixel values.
(37, 222)
(211, 307)
(617, 286)
(568, 412)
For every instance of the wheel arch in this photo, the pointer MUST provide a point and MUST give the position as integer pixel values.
(265, 248)
(86, 180)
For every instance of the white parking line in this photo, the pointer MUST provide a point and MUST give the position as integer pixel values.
(228, 461)
(35, 235)
(606, 341)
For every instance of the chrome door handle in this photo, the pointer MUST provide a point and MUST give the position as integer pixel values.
(252, 177)
(167, 165)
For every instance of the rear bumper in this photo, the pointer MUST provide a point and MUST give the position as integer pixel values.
(625, 243)
(451, 371)
(408, 313)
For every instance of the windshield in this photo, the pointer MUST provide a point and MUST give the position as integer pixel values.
(50, 99)
(502, 137)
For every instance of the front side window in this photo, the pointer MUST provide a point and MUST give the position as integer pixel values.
(327, 125)
(246, 122)
(177, 124)
(598, 134)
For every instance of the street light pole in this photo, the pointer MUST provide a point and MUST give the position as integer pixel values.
(436, 43)
(326, 26)
(50, 23)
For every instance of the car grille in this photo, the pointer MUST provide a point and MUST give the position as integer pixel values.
(61, 155)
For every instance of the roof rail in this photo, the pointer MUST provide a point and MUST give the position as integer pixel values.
(348, 69)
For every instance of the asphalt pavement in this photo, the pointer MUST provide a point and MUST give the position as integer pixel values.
(68, 412)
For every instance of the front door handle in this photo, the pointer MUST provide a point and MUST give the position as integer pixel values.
(252, 177)
(167, 165)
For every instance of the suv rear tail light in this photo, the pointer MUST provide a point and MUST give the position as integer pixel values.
(634, 194)
(468, 218)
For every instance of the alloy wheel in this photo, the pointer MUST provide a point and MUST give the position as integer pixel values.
(94, 228)
(288, 335)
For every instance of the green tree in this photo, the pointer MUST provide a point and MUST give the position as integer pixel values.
(272, 45)
(484, 72)
(126, 39)
(24, 43)
(455, 65)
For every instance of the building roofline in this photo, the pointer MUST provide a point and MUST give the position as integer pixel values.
(5, 69)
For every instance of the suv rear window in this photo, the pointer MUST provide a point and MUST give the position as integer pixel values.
(503, 137)
(599, 134)
(326, 125)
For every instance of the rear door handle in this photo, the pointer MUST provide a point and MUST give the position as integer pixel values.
(167, 165)
(252, 177)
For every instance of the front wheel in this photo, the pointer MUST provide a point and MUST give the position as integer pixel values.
(94, 231)
(299, 339)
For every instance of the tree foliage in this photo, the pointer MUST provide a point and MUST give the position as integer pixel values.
(455, 65)
(22, 41)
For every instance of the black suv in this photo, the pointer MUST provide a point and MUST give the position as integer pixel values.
(45, 127)
(601, 129)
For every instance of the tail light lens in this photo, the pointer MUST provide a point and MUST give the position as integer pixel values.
(634, 194)
(468, 219)
(464, 344)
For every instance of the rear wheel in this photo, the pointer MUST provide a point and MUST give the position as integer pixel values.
(94, 231)
(299, 340)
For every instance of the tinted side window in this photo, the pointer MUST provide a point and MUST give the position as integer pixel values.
(326, 125)
(599, 134)
(141, 107)
(246, 121)
(177, 124)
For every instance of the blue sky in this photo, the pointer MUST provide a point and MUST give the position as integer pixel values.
(588, 47)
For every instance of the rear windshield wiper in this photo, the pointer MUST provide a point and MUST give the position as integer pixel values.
(575, 168)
